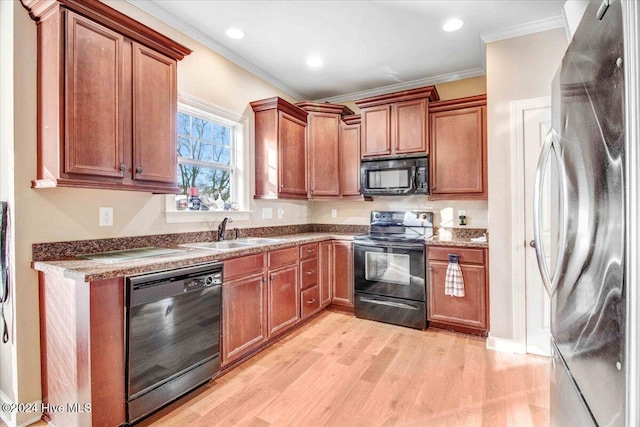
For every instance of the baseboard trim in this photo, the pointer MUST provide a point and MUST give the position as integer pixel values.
(505, 345)
(11, 418)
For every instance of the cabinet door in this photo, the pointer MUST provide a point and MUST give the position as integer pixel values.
(350, 160)
(292, 156)
(244, 325)
(376, 131)
(470, 310)
(342, 273)
(284, 299)
(323, 135)
(154, 116)
(93, 96)
(458, 153)
(410, 127)
(326, 273)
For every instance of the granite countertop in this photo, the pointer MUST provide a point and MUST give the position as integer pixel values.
(458, 237)
(454, 241)
(90, 270)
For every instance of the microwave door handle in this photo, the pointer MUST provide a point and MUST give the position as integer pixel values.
(414, 173)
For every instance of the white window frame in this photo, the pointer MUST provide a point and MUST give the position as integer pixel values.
(240, 185)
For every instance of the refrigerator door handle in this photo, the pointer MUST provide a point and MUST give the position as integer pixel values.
(537, 204)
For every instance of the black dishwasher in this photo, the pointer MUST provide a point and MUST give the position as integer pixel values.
(173, 334)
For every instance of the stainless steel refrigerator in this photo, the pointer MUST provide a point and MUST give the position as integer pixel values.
(579, 224)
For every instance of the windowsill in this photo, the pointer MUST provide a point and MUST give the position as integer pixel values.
(186, 216)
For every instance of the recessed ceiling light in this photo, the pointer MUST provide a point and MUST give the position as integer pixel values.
(314, 62)
(235, 33)
(452, 25)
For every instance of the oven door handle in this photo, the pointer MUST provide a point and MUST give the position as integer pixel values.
(388, 303)
(418, 246)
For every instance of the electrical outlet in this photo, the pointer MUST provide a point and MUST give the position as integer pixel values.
(280, 213)
(267, 213)
(334, 213)
(106, 217)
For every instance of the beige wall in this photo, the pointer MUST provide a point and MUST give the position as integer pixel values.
(517, 68)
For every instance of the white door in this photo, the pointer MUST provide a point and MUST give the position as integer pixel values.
(536, 125)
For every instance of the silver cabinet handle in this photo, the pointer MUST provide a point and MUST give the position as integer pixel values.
(123, 168)
(311, 301)
(139, 169)
(310, 272)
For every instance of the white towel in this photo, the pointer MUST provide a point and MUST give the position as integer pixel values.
(454, 284)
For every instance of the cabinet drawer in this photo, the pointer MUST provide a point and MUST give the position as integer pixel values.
(243, 266)
(309, 273)
(467, 256)
(309, 251)
(282, 257)
(310, 301)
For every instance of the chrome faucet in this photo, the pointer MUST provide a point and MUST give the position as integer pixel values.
(223, 226)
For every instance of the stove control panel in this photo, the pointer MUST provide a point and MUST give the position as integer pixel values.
(402, 218)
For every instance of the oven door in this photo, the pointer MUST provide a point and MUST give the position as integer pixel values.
(390, 269)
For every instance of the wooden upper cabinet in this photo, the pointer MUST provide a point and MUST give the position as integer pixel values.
(411, 127)
(93, 96)
(396, 124)
(106, 99)
(281, 154)
(459, 149)
(350, 156)
(154, 111)
(376, 131)
(323, 145)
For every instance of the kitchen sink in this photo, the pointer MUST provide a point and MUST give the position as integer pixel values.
(226, 245)
(223, 245)
(261, 240)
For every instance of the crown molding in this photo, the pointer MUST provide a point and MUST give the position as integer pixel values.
(523, 29)
(413, 84)
(157, 12)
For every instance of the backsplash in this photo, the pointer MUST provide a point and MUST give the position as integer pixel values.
(69, 250)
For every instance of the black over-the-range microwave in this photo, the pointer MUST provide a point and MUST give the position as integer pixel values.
(398, 176)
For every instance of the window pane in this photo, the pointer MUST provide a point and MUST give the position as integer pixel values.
(203, 152)
(210, 181)
(222, 135)
(183, 124)
(184, 147)
(221, 154)
(201, 129)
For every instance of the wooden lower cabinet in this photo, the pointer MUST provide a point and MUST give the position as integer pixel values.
(310, 301)
(82, 347)
(244, 319)
(325, 274)
(342, 273)
(284, 301)
(264, 295)
(465, 314)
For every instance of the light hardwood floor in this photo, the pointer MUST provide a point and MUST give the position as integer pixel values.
(343, 371)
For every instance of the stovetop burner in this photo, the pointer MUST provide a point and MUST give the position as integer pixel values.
(399, 226)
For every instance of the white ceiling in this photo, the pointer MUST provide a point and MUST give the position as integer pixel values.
(368, 47)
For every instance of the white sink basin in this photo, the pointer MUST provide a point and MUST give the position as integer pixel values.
(260, 240)
(223, 245)
(226, 245)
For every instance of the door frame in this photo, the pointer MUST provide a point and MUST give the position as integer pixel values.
(518, 228)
